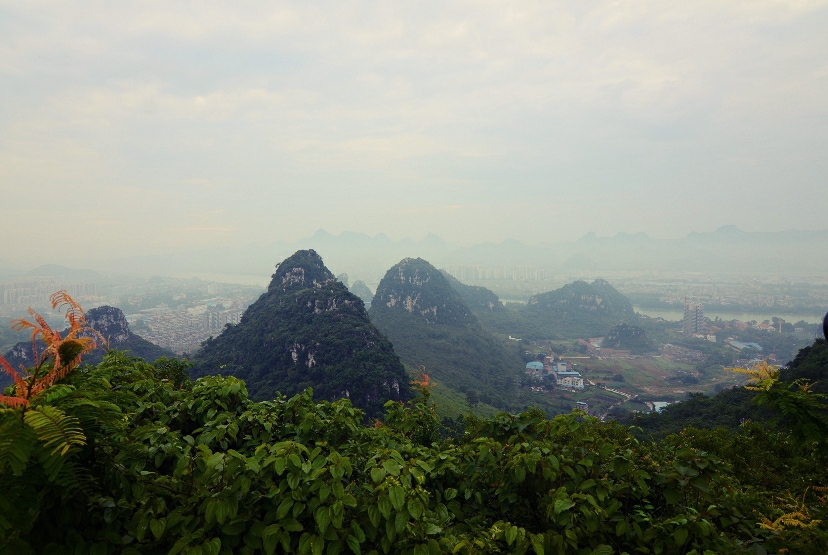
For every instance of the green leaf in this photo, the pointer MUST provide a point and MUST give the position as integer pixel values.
(17, 442)
(284, 508)
(270, 530)
(391, 467)
(586, 484)
(602, 550)
(680, 536)
(212, 547)
(374, 515)
(621, 466)
(421, 549)
(700, 484)
(291, 525)
(537, 543)
(425, 465)
(279, 465)
(450, 494)
(400, 521)
(305, 543)
(357, 531)
(510, 534)
(397, 496)
(415, 508)
(157, 527)
(323, 518)
(377, 474)
(384, 504)
(318, 545)
(55, 429)
(353, 543)
(433, 529)
(621, 528)
(672, 496)
(324, 492)
(562, 505)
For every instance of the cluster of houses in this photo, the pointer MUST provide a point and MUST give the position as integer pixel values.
(562, 374)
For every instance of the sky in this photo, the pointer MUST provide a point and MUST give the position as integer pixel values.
(130, 128)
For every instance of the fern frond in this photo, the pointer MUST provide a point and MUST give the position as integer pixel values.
(18, 381)
(74, 312)
(54, 393)
(59, 431)
(17, 441)
(69, 476)
(14, 402)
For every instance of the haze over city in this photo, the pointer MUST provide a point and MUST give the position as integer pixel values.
(149, 128)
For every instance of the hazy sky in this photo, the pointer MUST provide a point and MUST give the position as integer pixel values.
(137, 127)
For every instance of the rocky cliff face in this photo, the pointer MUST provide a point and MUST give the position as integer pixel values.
(302, 270)
(110, 322)
(308, 330)
(417, 287)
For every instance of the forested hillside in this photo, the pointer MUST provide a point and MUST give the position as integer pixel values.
(628, 337)
(308, 330)
(430, 325)
(578, 309)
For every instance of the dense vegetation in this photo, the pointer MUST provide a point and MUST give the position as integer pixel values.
(627, 337)
(132, 458)
(578, 309)
(308, 330)
(430, 326)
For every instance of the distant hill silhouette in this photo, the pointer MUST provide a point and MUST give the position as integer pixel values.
(477, 298)
(626, 337)
(111, 323)
(578, 309)
(361, 290)
(430, 325)
(308, 330)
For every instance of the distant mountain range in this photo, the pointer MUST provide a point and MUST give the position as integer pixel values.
(726, 250)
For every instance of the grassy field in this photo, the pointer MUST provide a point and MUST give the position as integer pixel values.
(452, 403)
(653, 377)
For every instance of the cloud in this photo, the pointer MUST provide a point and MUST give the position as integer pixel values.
(290, 115)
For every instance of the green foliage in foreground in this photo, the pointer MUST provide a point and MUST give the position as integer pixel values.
(170, 466)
